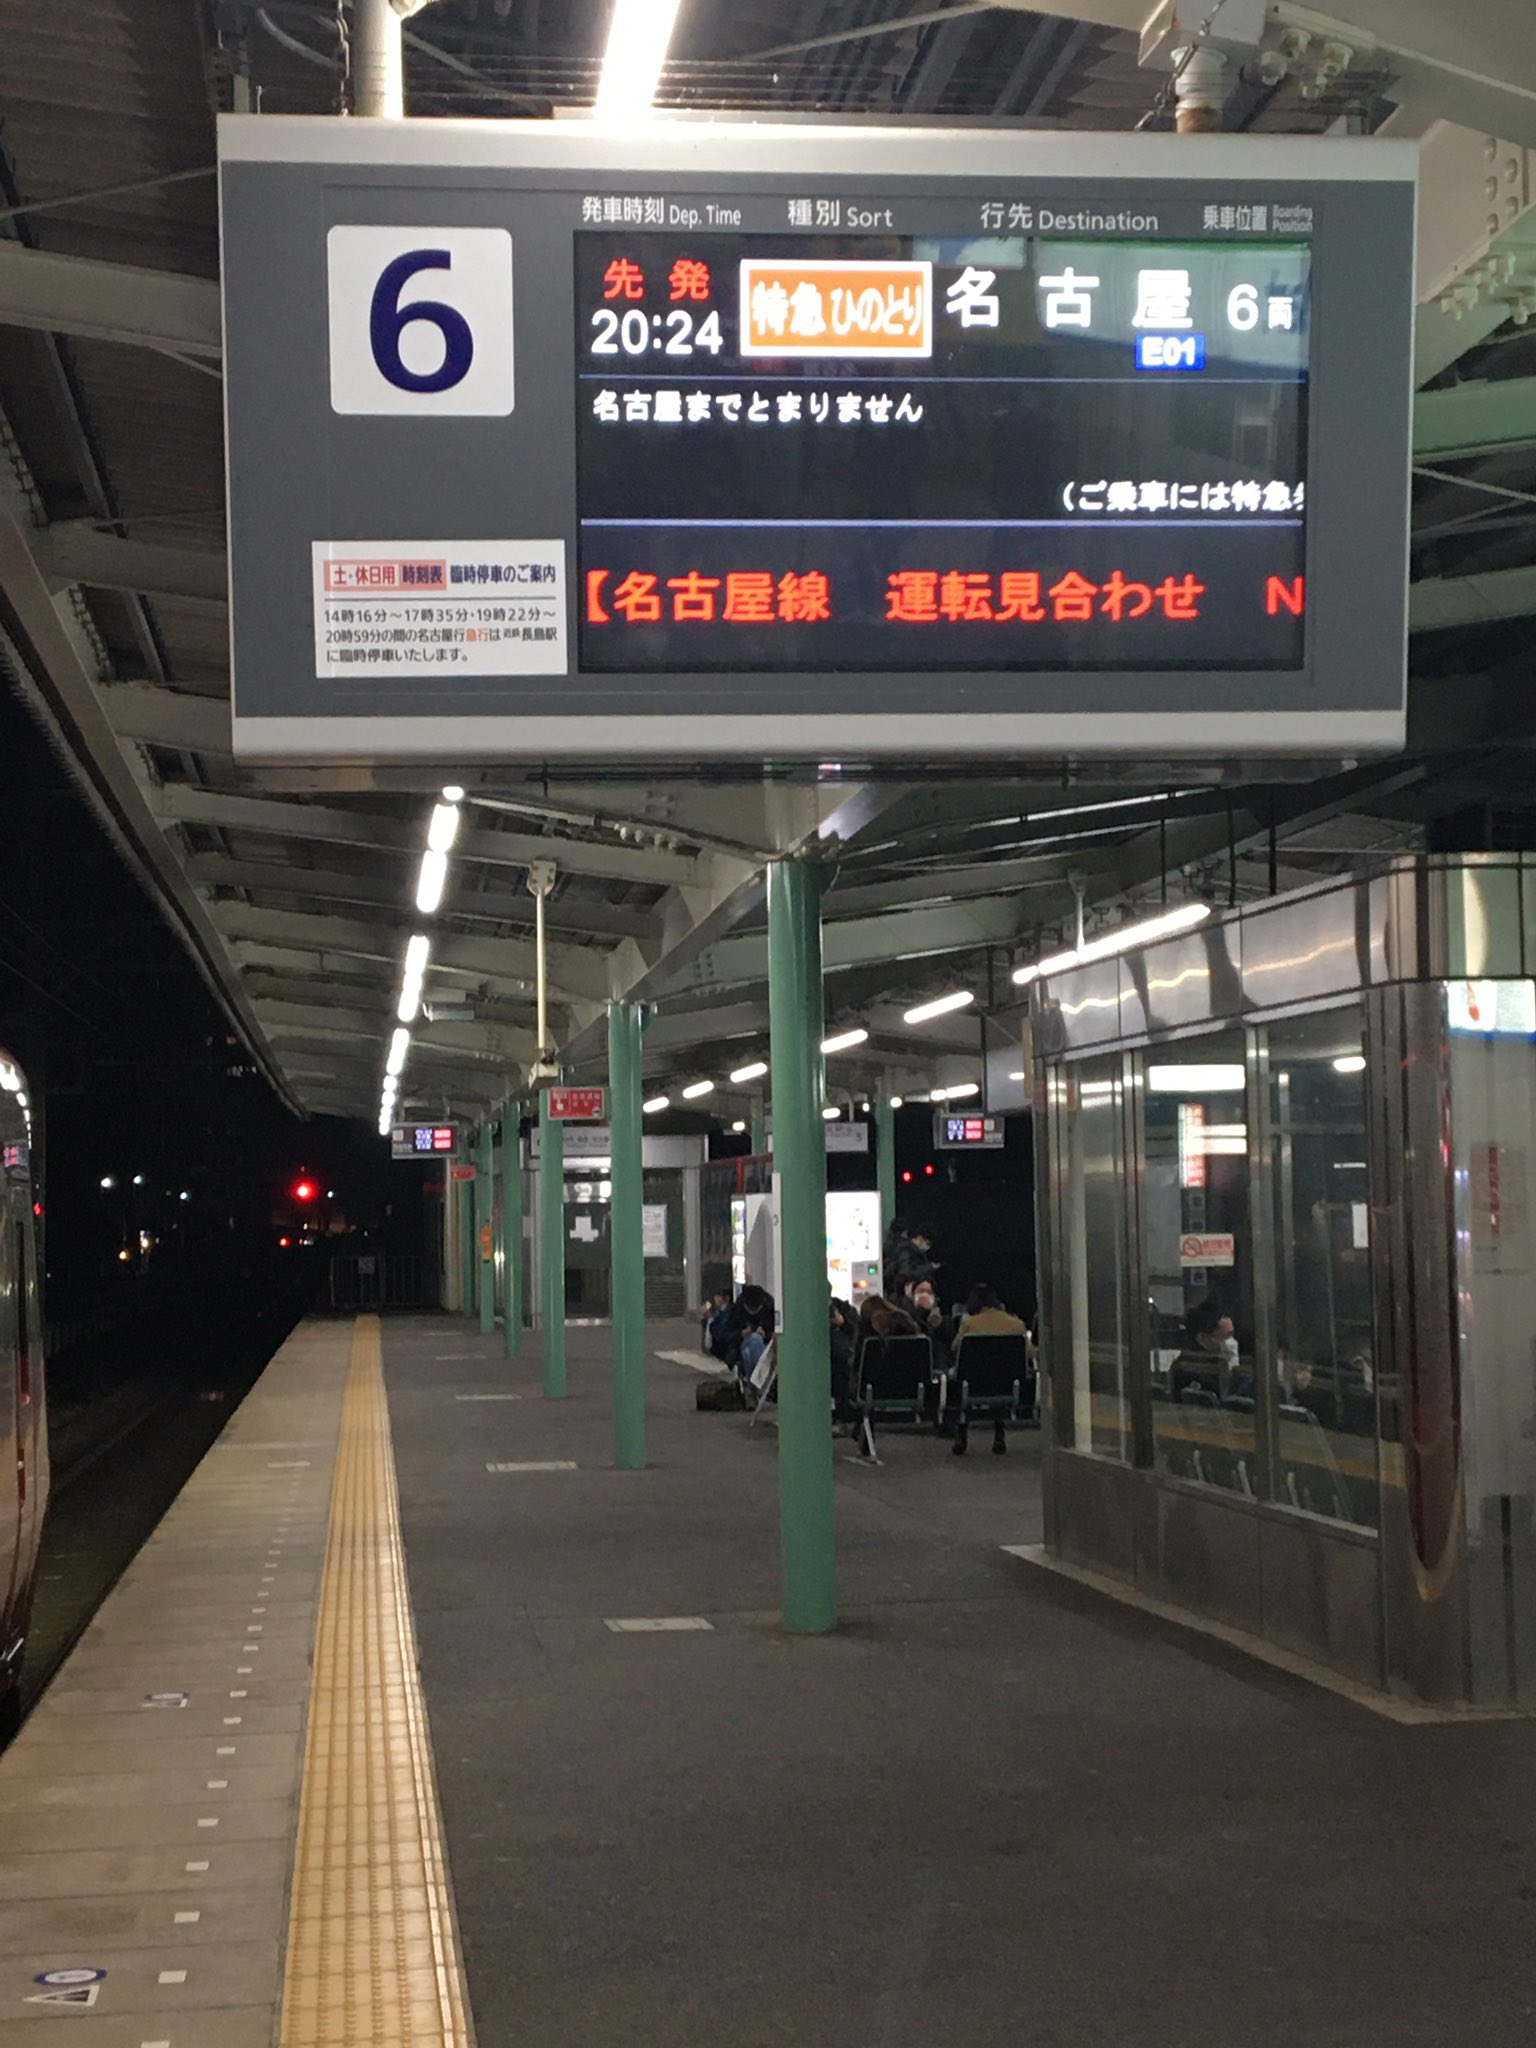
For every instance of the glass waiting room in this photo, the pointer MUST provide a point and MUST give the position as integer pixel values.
(1288, 1275)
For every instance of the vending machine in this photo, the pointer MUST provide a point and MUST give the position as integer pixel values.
(853, 1244)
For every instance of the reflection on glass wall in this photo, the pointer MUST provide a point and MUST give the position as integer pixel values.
(1325, 1375)
(1092, 1195)
(1280, 1406)
(1197, 1259)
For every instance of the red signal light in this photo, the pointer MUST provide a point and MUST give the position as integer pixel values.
(928, 1169)
(304, 1191)
(906, 1173)
(283, 1243)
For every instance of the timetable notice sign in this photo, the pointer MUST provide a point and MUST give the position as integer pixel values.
(548, 441)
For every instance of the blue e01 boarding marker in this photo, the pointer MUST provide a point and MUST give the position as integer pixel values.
(1170, 351)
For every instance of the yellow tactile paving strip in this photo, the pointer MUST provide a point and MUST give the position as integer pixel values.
(373, 1955)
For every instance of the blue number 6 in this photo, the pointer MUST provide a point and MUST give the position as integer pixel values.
(388, 320)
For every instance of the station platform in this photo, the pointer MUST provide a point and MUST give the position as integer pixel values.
(361, 1750)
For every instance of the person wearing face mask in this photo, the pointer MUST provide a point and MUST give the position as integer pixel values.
(921, 1302)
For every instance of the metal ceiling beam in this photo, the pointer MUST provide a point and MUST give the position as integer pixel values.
(378, 890)
(574, 973)
(183, 804)
(377, 972)
(173, 719)
(799, 818)
(854, 942)
(939, 63)
(1481, 417)
(78, 554)
(110, 302)
(1441, 601)
(677, 1030)
(481, 1044)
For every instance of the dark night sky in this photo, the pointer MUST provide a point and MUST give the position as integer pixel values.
(129, 1052)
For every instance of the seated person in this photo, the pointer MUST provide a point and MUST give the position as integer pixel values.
(881, 1318)
(748, 1328)
(985, 1316)
(712, 1317)
(1202, 1362)
(920, 1300)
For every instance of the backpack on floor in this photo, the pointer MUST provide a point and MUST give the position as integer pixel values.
(725, 1392)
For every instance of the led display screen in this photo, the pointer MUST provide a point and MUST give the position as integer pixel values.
(423, 1141)
(891, 452)
(961, 1133)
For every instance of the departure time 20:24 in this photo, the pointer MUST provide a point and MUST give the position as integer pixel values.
(675, 334)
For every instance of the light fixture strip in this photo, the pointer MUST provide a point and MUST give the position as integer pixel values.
(939, 1007)
(842, 1041)
(1163, 926)
(638, 37)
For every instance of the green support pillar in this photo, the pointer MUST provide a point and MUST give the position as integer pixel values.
(466, 1216)
(552, 1248)
(885, 1162)
(485, 1194)
(759, 1127)
(806, 1533)
(626, 1236)
(512, 1230)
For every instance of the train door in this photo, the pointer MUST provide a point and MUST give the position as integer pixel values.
(13, 1452)
(31, 1406)
(23, 1440)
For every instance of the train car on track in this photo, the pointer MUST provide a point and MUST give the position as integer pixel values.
(23, 1410)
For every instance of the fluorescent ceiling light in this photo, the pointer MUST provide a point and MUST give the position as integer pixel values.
(842, 1040)
(697, 1088)
(1350, 1063)
(638, 35)
(1116, 803)
(831, 1113)
(431, 881)
(1163, 926)
(443, 827)
(656, 1102)
(418, 946)
(399, 1046)
(956, 1094)
(939, 1007)
(753, 1071)
(1214, 1078)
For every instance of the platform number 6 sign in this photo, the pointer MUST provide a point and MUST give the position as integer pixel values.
(420, 320)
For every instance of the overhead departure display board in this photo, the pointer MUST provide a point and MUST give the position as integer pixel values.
(798, 442)
(423, 1141)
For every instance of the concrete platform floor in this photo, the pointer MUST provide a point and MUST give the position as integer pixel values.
(992, 1809)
